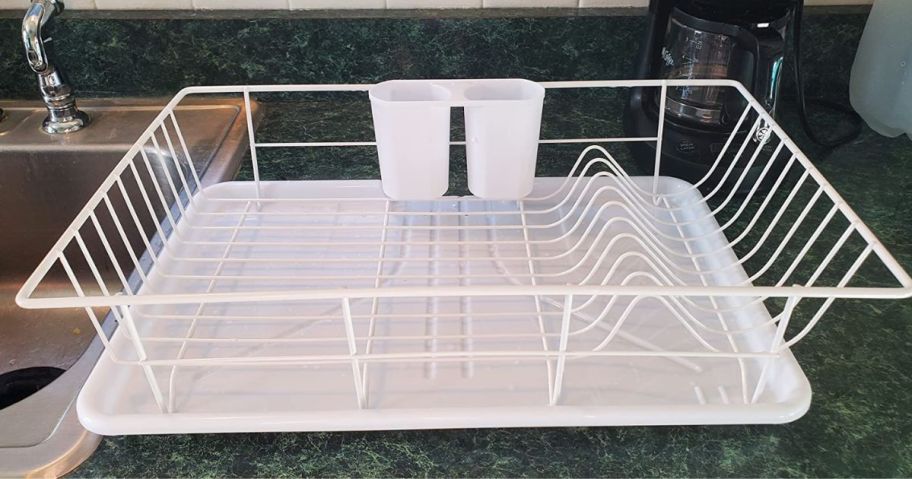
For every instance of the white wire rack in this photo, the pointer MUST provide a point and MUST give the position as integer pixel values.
(601, 298)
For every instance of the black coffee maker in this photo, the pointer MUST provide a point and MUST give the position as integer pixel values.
(742, 40)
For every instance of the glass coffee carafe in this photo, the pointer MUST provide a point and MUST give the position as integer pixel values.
(696, 48)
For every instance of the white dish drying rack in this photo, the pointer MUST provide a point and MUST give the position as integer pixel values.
(600, 299)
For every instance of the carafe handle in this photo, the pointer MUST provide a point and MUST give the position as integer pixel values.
(767, 46)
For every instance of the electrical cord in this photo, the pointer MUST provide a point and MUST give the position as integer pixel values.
(849, 113)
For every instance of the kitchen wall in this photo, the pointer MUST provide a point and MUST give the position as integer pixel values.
(356, 4)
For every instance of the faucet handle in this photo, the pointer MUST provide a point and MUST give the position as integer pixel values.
(38, 13)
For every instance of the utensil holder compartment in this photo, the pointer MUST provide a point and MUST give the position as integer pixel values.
(412, 127)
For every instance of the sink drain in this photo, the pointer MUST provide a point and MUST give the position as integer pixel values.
(22, 383)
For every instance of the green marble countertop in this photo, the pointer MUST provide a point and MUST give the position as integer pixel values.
(858, 360)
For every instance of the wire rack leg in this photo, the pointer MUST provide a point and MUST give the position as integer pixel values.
(375, 301)
(537, 299)
(253, 145)
(353, 351)
(790, 304)
(127, 316)
(562, 355)
(658, 154)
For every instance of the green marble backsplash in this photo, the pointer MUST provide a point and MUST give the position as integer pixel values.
(106, 55)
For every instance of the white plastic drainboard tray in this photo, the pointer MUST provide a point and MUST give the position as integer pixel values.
(314, 234)
(599, 299)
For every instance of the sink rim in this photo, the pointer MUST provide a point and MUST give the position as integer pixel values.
(21, 129)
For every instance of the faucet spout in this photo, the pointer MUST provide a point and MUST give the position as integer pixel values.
(58, 96)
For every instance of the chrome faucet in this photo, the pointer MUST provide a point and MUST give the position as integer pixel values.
(63, 116)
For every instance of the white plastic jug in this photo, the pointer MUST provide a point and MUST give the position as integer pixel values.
(881, 83)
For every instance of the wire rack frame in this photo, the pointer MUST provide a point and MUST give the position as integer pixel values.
(554, 248)
(185, 185)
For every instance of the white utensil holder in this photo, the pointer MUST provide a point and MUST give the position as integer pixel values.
(503, 120)
(412, 128)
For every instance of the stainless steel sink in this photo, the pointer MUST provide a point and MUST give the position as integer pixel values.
(44, 181)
